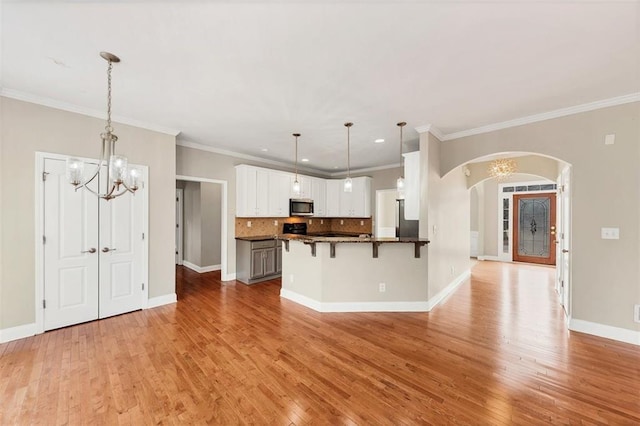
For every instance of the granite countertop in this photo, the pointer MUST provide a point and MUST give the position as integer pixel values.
(258, 238)
(347, 239)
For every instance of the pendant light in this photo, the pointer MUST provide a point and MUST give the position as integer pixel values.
(348, 184)
(400, 180)
(296, 184)
(120, 178)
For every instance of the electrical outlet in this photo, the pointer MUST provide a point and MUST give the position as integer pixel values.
(362, 223)
(310, 221)
(610, 233)
(636, 313)
(275, 223)
(291, 278)
(321, 222)
(341, 222)
(248, 224)
(382, 287)
(453, 270)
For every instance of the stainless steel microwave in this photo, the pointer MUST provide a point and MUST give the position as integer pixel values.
(300, 207)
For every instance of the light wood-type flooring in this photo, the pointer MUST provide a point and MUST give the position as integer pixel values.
(495, 352)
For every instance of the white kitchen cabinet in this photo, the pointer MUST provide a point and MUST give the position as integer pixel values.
(305, 186)
(252, 197)
(334, 188)
(356, 203)
(412, 185)
(319, 196)
(278, 197)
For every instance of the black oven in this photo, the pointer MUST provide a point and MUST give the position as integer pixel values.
(300, 207)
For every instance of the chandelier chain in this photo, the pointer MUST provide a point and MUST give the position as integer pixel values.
(108, 127)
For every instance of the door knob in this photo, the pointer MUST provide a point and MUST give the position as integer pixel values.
(565, 251)
(91, 250)
(107, 249)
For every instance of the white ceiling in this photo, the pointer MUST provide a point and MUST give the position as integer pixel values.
(242, 76)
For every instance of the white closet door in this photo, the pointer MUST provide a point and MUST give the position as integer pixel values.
(71, 231)
(121, 251)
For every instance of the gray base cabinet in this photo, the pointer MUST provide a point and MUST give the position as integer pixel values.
(258, 260)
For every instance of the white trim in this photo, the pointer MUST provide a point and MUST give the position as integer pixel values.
(606, 331)
(202, 147)
(201, 269)
(18, 332)
(430, 128)
(52, 103)
(166, 299)
(180, 226)
(145, 230)
(562, 112)
(492, 258)
(353, 306)
(366, 170)
(224, 233)
(425, 128)
(449, 289)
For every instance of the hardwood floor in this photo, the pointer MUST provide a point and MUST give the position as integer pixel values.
(495, 352)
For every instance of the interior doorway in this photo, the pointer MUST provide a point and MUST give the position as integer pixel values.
(202, 239)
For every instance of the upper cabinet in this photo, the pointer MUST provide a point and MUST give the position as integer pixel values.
(412, 185)
(266, 193)
(356, 203)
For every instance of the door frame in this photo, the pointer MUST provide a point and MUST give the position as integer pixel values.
(224, 235)
(180, 226)
(39, 232)
(553, 200)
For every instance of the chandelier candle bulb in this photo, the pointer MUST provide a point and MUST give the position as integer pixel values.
(75, 170)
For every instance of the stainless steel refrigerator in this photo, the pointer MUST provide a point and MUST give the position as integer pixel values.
(404, 228)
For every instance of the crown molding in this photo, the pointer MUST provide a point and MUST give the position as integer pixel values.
(563, 112)
(52, 103)
(430, 128)
(366, 170)
(202, 147)
(423, 129)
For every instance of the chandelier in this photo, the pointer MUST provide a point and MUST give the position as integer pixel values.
(120, 178)
(502, 168)
(400, 180)
(348, 183)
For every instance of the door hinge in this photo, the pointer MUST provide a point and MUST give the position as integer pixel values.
(143, 235)
(177, 199)
(177, 225)
(44, 240)
(44, 304)
(44, 176)
(142, 286)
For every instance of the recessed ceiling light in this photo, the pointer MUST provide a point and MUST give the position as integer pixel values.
(264, 150)
(305, 160)
(379, 140)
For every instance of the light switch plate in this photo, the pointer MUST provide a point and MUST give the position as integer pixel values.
(610, 233)
(610, 139)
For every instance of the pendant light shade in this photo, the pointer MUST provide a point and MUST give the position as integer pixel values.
(348, 183)
(296, 184)
(400, 180)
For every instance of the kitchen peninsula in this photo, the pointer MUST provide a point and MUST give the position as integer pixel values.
(355, 274)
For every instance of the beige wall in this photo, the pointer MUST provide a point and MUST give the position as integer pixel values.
(192, 244)
(210, 205)
(27, 128)
(447, 218)
(605, 187)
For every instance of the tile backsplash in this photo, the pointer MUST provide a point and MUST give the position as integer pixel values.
(267, 225)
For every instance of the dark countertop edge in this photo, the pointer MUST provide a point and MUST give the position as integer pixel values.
(312, 239)
(258, 238)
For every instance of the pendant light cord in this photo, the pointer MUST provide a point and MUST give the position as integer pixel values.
(348, 126)
(296, 135)
(401, 125)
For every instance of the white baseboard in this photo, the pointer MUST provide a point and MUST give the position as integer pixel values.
(353, 306)
(201, 269)
(229, 277)
(606, 331)
(166, 299)
(19, 332)
(450, 288)
(494, 258)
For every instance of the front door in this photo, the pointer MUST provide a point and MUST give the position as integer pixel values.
(534, 228)
(70, 250)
